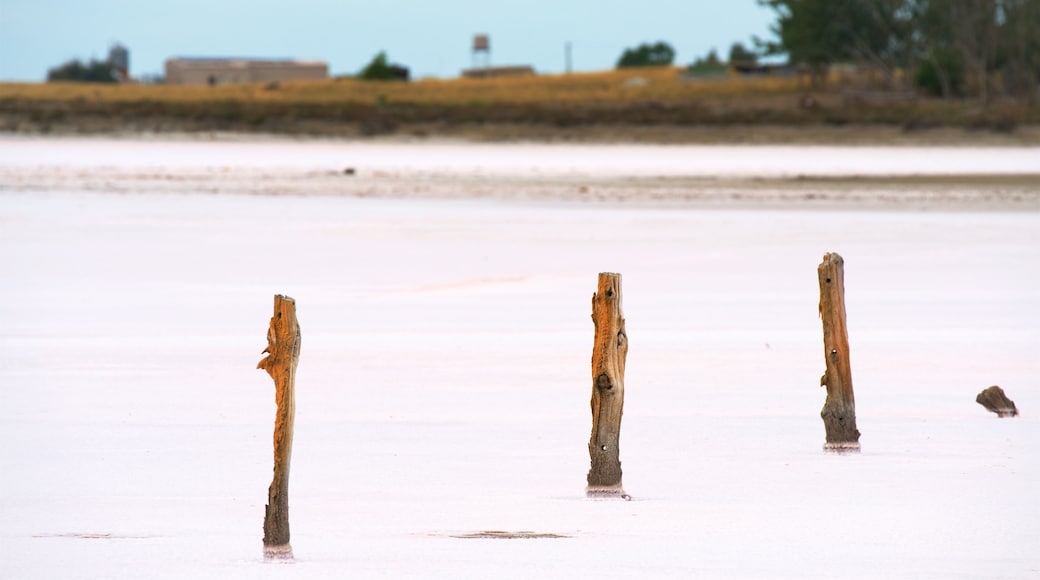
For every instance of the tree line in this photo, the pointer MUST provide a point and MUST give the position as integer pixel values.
(92, 71)
(946, 47)
(662, 54)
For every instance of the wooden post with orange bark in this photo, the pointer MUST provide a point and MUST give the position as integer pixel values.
(608, 389)
(839, 410)
(283, 353)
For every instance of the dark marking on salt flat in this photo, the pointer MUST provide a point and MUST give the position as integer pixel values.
(93, 536)
(503, 535)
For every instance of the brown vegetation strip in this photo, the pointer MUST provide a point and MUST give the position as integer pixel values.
(502, 535)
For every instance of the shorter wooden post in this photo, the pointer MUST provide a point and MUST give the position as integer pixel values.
(283, 350)
(608, 389)
(839, 410)
(997, 402)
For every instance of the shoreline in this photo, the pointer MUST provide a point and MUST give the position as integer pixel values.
(664, 134)
(972, 192)
(940, 176)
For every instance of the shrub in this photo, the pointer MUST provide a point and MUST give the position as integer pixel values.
(739, 55)
(382, 70)
(659, 54)
(707, 65)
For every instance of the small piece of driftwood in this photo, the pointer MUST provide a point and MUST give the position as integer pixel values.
(997, 402)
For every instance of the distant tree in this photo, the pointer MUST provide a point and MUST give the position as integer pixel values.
(819, 33)
(940, 74)
(708, 64)
(658, 54)
(804, 30)
(974, 29)
(710, 59)
(739, 55)
(380, 69)
(95, 71)
(947, 47)
(1021, 47)
(969, 46)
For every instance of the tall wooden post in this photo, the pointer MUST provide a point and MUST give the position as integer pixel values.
(283, 350)
(839, 411)
(608, 389)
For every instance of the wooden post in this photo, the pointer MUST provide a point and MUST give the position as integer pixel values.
(994, 400)
(608, 389)
(839, 411)
(283, 350)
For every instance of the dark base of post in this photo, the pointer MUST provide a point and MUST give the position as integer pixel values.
(839, 422)
(842, 448)
(606, 492)
(283, 552)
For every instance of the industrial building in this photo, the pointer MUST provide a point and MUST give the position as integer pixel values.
(215, 71)
(498, 71)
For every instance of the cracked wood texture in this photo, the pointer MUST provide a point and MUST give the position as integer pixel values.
(608, 388)
(283, 353)
(839, 410)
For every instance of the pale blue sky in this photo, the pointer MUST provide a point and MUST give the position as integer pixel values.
(432, 38)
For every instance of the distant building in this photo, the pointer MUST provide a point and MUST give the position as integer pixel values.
(498, 71)
(216, 71)
(119, 58)
(765, 70)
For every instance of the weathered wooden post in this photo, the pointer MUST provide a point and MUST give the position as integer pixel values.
(995, 400)
(608, 389)
(839, 411)
(283, 350)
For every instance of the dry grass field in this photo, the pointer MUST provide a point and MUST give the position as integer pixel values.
(665, 85)
(643, 104)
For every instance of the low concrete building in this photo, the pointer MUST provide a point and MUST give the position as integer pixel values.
(214, 71)
(498, 71)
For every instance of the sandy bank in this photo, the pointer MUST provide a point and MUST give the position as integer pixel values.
(740, 176)
(707, 134)
(915, 192)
